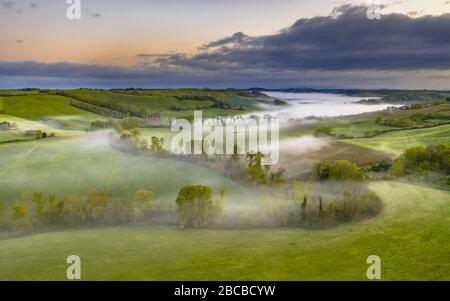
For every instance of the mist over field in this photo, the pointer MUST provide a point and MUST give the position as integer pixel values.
(224, 141)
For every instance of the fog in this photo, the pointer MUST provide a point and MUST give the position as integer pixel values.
(302, 105)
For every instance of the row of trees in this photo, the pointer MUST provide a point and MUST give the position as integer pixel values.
(102, 101)
(420, 160)
(309, 207)
(95, 208)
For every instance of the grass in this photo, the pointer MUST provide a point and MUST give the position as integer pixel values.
(359, 129)
(23, 125)
(164, 101)
(39, 106)
(84, 163)
(396, 142)
(411, 236)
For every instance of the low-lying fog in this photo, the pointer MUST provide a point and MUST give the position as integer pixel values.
(320, 104)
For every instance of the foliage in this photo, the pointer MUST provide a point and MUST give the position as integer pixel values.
(196, 208)
(343, 170)
(420, 160)
(157, 144)
(323, 131)
(257, 172)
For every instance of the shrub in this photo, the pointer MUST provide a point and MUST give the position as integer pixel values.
(420, 160)
(196, 208)
(338, 170)
(323, 131)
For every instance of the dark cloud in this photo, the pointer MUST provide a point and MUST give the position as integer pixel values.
(19, 41)
(413, 13)
(8, 4)
(67, 75)
(343, 50)
(237, 38)
(345, 40)
(93, 14)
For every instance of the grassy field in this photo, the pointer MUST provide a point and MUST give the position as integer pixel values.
(23, 125)
(164, 101)
(411, 236)
(39, 106)
(396, 142)
(85, 163)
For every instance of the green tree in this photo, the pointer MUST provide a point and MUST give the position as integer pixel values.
(257, 172)
(157, 144)
(143, 204)
(195, 207)
(39, 203)
(2, 211)
(323, 131)
(20, 211)
(342, 170)
(398, 168)
(130, 123)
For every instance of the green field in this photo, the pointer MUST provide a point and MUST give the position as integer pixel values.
(396, 142)
(87, 163)
(39, 106)
(411, 236)
(165, 101)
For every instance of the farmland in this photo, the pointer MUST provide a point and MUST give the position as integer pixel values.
(75, 158)
(411, 237)
(397, 141)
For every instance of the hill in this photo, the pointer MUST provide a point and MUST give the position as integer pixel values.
(410, 236)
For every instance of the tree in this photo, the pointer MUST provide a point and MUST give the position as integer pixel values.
(277, 178)
(2, 211)
(338, 170)
(39, 203)
(414, 158)
(195, 207)
(55, 209)
(157, 144)
(257, 172)
(320, 207)
(20, 211)
(323, 131)
(398, 168)
(143, 203)
(130, 123)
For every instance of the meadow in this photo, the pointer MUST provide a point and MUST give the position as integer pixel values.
(410, 236)
(81, 164)
(396, 142)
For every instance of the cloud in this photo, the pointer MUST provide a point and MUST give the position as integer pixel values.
(236, 38)
(93, 14)
(68, 75)
(19, 41)
(8, 4)
(342, 50)
(34, 5)
(345, 40)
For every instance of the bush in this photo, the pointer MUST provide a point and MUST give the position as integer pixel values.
(338, 170)
(196, 208)
(420, 160)
(323, 131)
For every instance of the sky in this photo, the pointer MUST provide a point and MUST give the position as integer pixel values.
(225, 43)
